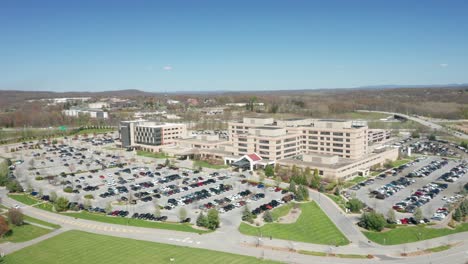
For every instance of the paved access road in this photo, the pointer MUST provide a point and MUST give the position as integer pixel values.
(228, 239)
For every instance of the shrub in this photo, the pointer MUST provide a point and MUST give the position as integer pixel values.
(269, 171)
(14, 186)
(372, 221)
(39, 178)
(354, 205)
(61, 204)
(15, 217)
(68, 189)
(4, 228)
(89, 196)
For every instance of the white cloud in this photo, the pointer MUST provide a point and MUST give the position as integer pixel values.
(167, 68)
(443, 65)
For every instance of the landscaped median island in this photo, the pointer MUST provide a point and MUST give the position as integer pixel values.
(401, 235)
(135, 222)
(47, 206)
(206, 164)
(77, 247)
(323, 254)
(24, 198)
(312, 226)
(154, 155)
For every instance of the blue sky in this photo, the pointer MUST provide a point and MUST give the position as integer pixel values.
(195, 45)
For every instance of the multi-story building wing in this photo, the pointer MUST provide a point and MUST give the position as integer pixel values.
(281, 139)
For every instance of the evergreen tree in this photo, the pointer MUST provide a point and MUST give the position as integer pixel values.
(267, 217)
(247, 215)
(292, 187)
(213, 219)
(202, 220)
(457, 215)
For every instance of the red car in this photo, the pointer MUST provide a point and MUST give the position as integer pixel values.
(277, 189)
(102, 177)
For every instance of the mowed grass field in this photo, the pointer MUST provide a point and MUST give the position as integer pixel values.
(403, 235)
(135, 222)
(312, 226)
(76, 247)
(24, 198)
(24, 232)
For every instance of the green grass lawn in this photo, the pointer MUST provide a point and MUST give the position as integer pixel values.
(134, 222)
(398, 163)
(76, 247)
(339, 200)
(439, 248)
(46, 206)
(154, 155)
(95, 130)
(38, 221)
(354, 181)
(24, 233)
(204, 164)
(312, 226)
(281, 211)
(24, 198)
(403, 235)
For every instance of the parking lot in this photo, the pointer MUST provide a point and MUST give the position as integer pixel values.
(133, 184)
(411, 188)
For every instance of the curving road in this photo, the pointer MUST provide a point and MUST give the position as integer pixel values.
(228, 239)
(424, 122)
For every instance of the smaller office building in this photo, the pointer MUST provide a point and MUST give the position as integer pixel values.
(150, 136)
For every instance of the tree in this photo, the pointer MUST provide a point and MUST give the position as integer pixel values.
(303, 193)
(354, 205)
(292, 187)
(315, 181)
(299, 196)
(418, 215)
(61, 204)
(4, 228)
(372, 221)
(322, 188)
(212, 219)
(247, 215)
(15, 217)
(202, 220)
(87, 204)
(391, 217)
(182, 214)
(53, 196)
(14, 186)
(108, 208)
(269, 171)
(157, 209)
(167, 162)
(432, 137)
(457, 215)
(308, 175)
(415, 134)
(277, 168)
(267, 217)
